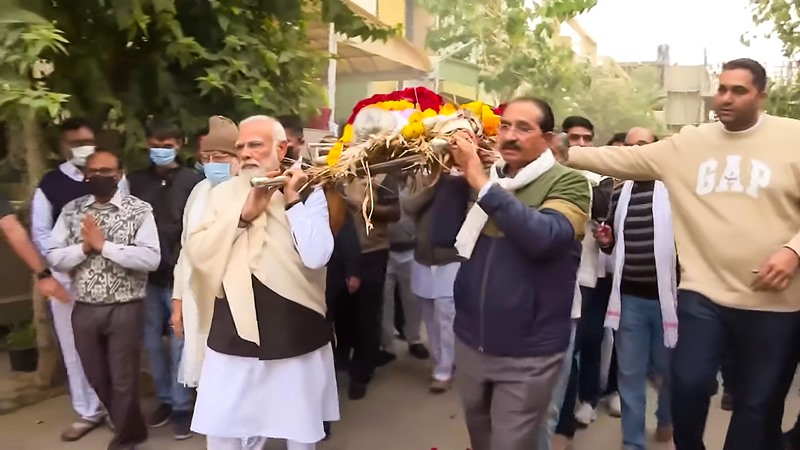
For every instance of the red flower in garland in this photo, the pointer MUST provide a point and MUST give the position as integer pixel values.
(423, 97)
(500, 108)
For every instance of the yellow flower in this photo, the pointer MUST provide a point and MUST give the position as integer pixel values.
(413, 130)
(347, 133)
(447, 109)
(474, 107)
(334, 153)
(416, 116)
(486, 111)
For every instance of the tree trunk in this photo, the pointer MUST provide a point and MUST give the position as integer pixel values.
(47, 373)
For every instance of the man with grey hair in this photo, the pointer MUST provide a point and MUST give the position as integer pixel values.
(258, 262)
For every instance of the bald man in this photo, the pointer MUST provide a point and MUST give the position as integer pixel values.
(258, 262)
(638, 235)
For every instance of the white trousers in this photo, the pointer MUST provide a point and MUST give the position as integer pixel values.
(438, 315)
(84, 400)
(398, 276)
(253, 443)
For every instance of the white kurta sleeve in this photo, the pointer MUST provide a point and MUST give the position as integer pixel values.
(311, 230)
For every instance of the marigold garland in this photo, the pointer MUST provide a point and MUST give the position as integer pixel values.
(426, 106)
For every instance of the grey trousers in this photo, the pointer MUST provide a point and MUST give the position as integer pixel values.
(505, 399)
(398, 275)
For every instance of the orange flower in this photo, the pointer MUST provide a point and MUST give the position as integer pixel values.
(491, 124)
(447, 109)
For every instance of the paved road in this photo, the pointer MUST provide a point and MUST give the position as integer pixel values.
(398, 414)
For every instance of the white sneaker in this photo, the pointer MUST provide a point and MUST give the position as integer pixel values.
(585, 414)
(614, 405)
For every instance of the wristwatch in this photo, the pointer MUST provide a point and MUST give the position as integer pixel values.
(44, 274)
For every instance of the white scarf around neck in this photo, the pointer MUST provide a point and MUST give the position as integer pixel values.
(476, 218)
(665, 258)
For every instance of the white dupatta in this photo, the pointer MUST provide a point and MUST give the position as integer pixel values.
(665, 256)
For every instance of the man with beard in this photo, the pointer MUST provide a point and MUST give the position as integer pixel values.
(57, 188)
(108, 242)
(738, 294)
(258, 270)
(514, 291)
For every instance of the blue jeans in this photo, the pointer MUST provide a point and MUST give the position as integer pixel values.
(640, 344)
(549, 424)
(164, 368)
(762, 345)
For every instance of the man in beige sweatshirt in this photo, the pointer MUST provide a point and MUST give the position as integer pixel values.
(735, 201)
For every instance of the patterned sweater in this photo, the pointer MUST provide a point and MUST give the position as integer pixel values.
(98, 279)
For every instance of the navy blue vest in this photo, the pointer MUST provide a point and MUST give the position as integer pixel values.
(60, 189)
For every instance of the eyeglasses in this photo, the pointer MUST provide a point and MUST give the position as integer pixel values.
(519, 131)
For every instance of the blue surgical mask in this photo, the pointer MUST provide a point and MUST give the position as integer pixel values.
(162, 156)
(198, 166)
(217, 172)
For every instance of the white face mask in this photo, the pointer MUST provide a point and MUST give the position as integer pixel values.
(81, 154)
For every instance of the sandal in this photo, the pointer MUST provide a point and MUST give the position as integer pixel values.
(78, 430)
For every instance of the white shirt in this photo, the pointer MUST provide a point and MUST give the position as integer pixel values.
(433, 282)
(143, 255)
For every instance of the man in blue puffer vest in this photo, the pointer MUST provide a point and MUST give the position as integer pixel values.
(513, 294)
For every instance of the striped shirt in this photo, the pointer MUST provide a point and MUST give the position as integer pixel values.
(639, 276)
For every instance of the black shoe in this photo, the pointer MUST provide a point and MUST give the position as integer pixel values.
(385, 358)
(418, 351)
(327, 427)
(181, 425)
(340, 365)
(160, 417)
(357, 390)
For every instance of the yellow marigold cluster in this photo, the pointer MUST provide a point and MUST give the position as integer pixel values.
(336, 151)
(393, 105)
(490, 120)
(415, 128)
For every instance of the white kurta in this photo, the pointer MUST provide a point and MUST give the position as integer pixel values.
(194, 339)
(282, 399)
(289, 398)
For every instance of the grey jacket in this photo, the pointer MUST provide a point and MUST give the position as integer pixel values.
(417, 204)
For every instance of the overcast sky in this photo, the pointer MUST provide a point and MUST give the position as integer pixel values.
(631, 30)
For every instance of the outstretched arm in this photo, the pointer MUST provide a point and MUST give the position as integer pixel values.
(638, 163)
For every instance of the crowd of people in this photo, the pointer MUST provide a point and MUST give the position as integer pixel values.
(553, 274)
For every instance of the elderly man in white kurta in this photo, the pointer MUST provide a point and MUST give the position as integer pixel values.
(218, 157)
(268, 370)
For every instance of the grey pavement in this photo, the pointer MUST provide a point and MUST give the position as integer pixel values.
(397, 414)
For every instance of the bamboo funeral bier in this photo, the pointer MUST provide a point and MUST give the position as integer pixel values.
(406, 131)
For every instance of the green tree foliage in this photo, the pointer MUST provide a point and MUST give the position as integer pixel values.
(124, 61)
(616, 102)
(783, 96)
(512, 42)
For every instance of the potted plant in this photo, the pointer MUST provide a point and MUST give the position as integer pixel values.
(22, 351)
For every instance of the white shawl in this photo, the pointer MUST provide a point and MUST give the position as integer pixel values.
(476, 218)
(664, 247)
(194, 339)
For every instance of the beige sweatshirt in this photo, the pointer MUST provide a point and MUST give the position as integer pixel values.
(735, 199)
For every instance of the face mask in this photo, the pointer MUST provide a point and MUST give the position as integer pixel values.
(217, 172)
(81, 154)
(198, 166)
(102, 186)
(162, 156)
